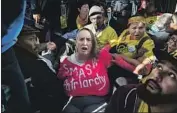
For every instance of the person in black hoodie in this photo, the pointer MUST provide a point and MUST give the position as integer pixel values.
(47, 93)
(157, 95)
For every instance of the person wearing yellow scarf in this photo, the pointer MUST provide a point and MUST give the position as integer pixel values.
(82, 18)
(130, 38)
(103, 33)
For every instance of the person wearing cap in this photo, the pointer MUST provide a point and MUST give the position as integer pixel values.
(104, 34)
(41, 72)
(134, 45)
(157, 95)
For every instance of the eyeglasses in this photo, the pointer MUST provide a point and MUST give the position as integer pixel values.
(173, 39)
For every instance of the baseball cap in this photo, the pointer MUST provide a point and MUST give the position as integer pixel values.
(95, 10)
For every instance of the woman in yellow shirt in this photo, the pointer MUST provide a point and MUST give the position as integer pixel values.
(128, 44)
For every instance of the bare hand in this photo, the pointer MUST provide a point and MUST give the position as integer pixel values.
(36, 17)
(51, 46)
(141, 70)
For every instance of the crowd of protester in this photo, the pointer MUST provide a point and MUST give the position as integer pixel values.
(71, 55)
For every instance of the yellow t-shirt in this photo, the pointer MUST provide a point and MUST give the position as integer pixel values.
(81, 23)
(127, 46)
(174, 54)
(143, 108)
(105, 36)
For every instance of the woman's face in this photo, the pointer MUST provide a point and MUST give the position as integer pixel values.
(84, 9)
(137, 30)
(172, 43)
(84, 43)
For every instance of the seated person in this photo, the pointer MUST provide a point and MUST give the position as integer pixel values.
(46, 94)
(173, 24)
(134, 45)
(119, 20)
(170, 47)
(160, 30)
(85, 74)
(104, 34)
(149, 13)
(157, 95)
(82, 18)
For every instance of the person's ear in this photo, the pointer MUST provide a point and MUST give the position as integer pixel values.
(37, 40)
(90, 20)
(79, 10)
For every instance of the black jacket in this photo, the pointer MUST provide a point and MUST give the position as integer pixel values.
(48, 89)
(124, 100)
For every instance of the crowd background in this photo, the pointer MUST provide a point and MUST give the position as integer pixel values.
(46, 36)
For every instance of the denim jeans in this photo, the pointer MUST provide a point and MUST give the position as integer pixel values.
(13, 77)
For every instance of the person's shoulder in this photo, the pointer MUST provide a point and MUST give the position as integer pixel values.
(125, 90)
(124, 32)
(89, 26)
(147, 37)
(129, 87)
(64, 58)
(109, 28)
(125, 94)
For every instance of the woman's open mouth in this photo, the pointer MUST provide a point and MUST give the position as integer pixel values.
(84, 48)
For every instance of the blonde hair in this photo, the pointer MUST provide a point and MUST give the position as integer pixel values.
(136, 19)
(94, 50)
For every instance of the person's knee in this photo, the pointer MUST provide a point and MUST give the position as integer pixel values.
(91, 108)
(71, 109)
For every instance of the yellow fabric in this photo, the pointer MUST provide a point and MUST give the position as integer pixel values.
(81, 23)
(136, 19)
(128, 46)
(150, 20)
(143, 108)
(63, 21)
(174, 54)
(104, 37)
